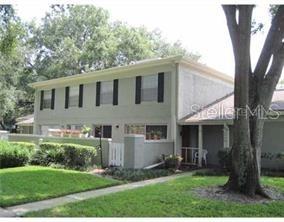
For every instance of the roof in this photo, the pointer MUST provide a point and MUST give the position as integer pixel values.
(222, 110)
(148, 63)
(25, 120)
(24, 117)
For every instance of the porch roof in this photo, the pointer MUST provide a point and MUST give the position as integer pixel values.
(222, 110)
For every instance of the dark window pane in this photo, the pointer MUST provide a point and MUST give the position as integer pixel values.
(156, 132)
(106, 131)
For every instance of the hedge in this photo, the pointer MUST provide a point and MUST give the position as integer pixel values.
(12, 155)
(30, 146)
(70, 155)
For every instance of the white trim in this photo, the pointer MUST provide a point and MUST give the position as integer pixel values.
(115, 72)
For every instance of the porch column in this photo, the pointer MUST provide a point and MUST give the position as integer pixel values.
(200, 145)
(226, 136)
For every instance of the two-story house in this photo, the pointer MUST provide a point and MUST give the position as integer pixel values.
(182, 106)
(148, 97)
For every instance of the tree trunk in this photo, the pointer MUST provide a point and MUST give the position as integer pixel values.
(253, 95)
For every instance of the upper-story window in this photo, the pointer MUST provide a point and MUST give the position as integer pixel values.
(107, 92)
(73, 96)
(47, 99)
(149, 88)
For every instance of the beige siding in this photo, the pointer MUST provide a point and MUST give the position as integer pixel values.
(195, 88)
(125, 112)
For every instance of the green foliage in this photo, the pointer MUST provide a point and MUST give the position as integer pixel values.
(69, 155)
(12, 155)
(225, 159)
(33, 183)
(174, 198)
(86, 129)
(136, 174)
(173, 161)
(78, 156)
(30, 146)
(71, 39)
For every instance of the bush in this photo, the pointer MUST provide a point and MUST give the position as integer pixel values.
(173, 161)
(12, 155)
(78, 156)
(136, 174)
(69, 155)
(48, 153)
(30, 146)
(225, 159)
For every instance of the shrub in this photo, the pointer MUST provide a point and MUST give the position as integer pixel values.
(30, 146)
(12, 155)
(69, 155)
(78, 156)
(48, 153)
(173, 161)
(225, 159)
(136, 174)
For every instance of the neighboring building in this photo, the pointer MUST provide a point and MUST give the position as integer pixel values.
(25, 124)
(163, 99)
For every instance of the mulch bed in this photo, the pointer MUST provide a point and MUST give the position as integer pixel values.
(217, 193)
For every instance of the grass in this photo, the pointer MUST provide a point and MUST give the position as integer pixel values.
(170, 199)
(32, 183)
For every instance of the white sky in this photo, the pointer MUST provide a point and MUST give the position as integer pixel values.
(200, 27)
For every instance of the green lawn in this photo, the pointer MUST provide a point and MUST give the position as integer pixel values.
(171, 199)
(32, 183)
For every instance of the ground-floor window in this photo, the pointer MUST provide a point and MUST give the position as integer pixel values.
(104, 130)
(151, 132)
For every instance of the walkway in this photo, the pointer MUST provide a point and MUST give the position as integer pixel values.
(20, 210)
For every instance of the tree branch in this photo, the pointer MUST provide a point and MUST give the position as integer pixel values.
(230, 13)
(273, 75)
(274, 37)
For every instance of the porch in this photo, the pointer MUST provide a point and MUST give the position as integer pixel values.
(200, 143)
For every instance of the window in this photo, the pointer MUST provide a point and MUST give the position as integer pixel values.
(47, 99)
(149, 88)
(106, 131)
(156, 132)
(107, 92)
(151, 132)
(73, 96)
(135, 129)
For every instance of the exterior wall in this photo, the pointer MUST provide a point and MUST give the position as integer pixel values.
(26, 129)
(139, 153)
(82, 141)
(213, 142)
(153, 151)
(273, 141)
(194, 88)
(125, 112)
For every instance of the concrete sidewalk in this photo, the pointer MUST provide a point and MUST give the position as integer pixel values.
(19, 210)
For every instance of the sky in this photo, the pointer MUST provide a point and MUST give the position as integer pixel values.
(199, 25)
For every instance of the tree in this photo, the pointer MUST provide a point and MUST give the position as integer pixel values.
(75, 39)
(11, 60)
(253, 92)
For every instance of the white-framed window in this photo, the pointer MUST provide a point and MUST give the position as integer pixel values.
(106, 92)
(47, 99)
(73, 96)
(104, 131)
(149, 88)
(151, 132)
